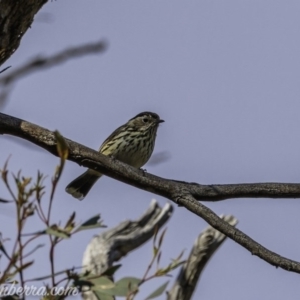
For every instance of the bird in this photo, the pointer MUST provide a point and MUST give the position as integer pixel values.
(131, 143)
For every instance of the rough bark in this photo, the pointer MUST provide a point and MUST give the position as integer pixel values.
(182, 193)
(15, 18)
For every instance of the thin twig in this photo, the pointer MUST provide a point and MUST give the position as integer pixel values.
(41, 62)
(3, 70)
(31, 239)
(20, 222)
(32, 251)
(41, 214)
(51, 256)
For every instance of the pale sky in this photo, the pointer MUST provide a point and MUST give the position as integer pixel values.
(224, 75)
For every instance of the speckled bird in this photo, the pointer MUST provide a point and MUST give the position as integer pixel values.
(131, 143)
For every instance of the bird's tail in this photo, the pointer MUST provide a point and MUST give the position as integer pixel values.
(81, 185)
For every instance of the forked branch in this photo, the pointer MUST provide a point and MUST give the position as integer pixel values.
(182, 193)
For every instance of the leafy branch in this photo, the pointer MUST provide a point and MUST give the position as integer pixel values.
(28, 201)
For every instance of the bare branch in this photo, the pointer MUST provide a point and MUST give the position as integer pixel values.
(204, 247)
(5, 69)
(238, 236)
(89, 158)
(182, 193)
(111, 245)
(41, 62)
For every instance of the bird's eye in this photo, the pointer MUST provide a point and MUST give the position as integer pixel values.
(145, 120)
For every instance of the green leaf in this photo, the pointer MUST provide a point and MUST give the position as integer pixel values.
(26, 265)
(158, 291)
(121, 288)
(3, 250)
(81, 283)
(95, 282)
(125, 286)
(102, 296)
(61, 146)
(162, 271)
(155, 251)
(11, 281)
(158, 258)
(19, 269)
(91, 224)
(58, 232)
(179, 256)
(161, 238)
(35, 233)
(177, 264)
(4, 172)
(70, 223)
(111, 271)
(102, 284)
(155, 235)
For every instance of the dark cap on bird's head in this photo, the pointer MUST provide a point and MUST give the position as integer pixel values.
(149, 114)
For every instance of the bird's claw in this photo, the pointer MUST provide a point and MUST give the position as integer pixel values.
(144, 171)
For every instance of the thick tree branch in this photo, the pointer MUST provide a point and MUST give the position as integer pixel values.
(87, 157)
(15, 18)
(115, 243)
(206, 244)
(183, 193)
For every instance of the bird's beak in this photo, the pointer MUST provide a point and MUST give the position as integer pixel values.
(160, 121)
